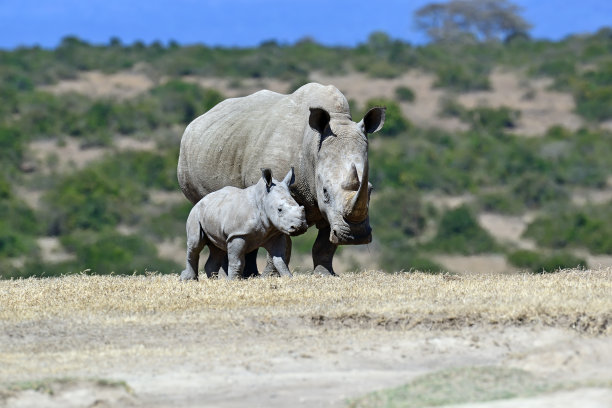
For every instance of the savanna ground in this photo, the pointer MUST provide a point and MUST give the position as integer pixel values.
(474, 340)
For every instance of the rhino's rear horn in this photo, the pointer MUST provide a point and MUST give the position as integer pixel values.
(352, 181)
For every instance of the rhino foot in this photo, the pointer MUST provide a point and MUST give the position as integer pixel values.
(321, 270)
(188, 275)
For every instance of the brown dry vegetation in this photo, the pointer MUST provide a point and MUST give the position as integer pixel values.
(272, 341)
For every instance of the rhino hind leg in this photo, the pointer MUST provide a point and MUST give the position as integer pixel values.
(196, 240)
(250, 268)
(323, 253)
(271, 270)
(216, 264)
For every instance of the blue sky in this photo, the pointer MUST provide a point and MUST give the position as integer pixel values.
(249, 22)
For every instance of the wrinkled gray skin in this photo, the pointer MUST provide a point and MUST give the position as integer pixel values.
(311, 129)
(238, 221)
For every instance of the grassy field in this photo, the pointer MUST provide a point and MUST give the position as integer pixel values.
(271, 341)
(578, 299)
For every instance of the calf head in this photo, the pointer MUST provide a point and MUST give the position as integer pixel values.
(341, 173)
(280, 208)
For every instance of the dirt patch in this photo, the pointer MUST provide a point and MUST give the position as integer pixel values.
(245, 86)
(424, 111)
(475, 264)
(95, 84)
(51, 250)
(540, 107)
(508, 229)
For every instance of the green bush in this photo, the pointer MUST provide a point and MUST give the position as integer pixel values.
(404, 94)
(397, 214)
(586, 227)
(462, 78)
(459, 232)
(539, 262)
(18, 224)
(535, 190)
(500, 202)
(407, 259)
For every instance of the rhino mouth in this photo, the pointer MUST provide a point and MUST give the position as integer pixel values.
(348, 233)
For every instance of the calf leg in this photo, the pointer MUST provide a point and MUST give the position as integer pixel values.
(196, 240)
(235, 256)
(216, 265)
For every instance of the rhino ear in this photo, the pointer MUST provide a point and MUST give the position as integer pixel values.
(289, 178)
(319, 119)
(266, 174)
(374, 120)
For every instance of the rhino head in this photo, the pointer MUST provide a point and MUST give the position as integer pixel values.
(280, 207)
(341, 173)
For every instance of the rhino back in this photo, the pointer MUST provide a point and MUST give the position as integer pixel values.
(228, 145)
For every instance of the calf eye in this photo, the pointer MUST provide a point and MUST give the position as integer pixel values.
(280, 210)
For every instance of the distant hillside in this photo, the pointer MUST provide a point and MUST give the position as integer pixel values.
(494, 157)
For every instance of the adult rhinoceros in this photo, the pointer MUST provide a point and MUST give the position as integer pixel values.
(310, 129)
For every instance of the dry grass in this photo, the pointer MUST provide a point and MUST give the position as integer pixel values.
(578, 299)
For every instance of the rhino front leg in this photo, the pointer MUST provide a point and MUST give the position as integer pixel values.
(277, 253)
(323, 253)
(271, 269)
(235, 257)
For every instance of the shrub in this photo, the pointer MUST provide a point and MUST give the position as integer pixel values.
(459, 232)
(404, 94)
(535, 190)
(461, 78)
(589, 227)
(397, 214)
(539, 262)
(500, 202)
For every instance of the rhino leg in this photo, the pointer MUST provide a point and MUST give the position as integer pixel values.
(250, 269)
(196, 240)
(271, 270)
(235, 257)
(277, 251)
(216, 265)
(323, 252)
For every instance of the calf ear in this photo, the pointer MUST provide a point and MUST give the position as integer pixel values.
(319, 119)
(374, 120)
(266, 174)
(289, 178)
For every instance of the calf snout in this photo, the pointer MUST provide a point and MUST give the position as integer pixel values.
(298, 224)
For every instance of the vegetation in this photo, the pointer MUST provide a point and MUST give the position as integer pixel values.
(505, 172)
(540, 262)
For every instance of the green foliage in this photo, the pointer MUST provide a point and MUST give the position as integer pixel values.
(461, 78)
(586, 227)
(501, 202)
(459, 232)
(404, 94)
(482, 118)
(169, 224)
(395, 122)
(397, 214)
(406, 258)
(536, 189)
(18, 224)
(90, 199)
(538, 262)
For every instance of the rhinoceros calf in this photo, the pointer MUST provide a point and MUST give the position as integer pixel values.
(239, 221)
(312, 129)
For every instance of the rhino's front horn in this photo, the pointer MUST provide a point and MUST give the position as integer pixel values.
(358, 207)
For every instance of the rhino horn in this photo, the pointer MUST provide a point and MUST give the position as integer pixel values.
(352, 181)
(358, 205)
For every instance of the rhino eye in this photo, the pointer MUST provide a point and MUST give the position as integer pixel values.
(325, 195)
(280, 210)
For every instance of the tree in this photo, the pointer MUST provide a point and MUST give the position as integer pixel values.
(475, 20)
